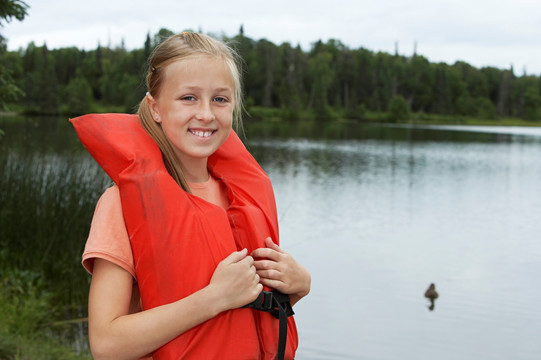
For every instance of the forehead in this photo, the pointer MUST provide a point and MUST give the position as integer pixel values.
(201, 67)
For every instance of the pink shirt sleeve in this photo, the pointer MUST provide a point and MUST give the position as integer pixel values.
(108, 238)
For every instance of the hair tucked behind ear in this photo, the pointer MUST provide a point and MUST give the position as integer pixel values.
(170, 159)
(175, 48)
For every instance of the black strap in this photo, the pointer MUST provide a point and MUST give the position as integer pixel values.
(278, 305)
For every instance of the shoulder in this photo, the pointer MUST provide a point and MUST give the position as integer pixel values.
(110, 195)
(108, 237)
(108, 217)
(108, 203)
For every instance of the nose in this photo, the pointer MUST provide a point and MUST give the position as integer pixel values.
(205, 112)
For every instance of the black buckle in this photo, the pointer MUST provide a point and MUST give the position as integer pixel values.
(278, 305)
(263, 302)
(272, 302)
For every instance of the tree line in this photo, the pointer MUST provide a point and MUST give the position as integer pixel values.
(328, 81)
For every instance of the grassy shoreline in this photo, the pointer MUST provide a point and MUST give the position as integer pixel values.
(259, 113)
(282, 115)
(450, 120)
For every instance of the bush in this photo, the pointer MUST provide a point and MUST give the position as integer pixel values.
(398, 109)
(78, 97)
(26, 312)
(485, 109)
(265, 113)
(356, 112)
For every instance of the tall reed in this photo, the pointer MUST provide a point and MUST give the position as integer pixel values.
(48, 190)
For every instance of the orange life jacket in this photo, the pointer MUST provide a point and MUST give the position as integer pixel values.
(178, 239)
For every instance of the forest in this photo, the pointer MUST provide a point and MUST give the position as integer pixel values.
(329, 81)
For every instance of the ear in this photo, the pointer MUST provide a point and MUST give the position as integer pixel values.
(154, 109)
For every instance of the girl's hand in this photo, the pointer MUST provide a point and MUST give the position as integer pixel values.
(279, 270)
(236, 281)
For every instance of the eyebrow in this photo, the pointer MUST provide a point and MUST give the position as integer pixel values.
(224, 89)
(220, 89)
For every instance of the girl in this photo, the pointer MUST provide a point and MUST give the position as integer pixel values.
(190, 223)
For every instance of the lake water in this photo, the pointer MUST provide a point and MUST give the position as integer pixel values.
(378, 212)
(379, 218)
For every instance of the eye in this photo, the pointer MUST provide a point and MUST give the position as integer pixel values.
(221, 99)
(188, 98)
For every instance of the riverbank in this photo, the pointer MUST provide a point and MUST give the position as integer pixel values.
(258, 113)
(432, 119)
(276, 114)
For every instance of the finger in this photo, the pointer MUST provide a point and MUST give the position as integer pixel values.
(262, 253)
(248, 261)
(275, 284)
(269, 274)
(259, 288)
(265, 264)
(271, 245)
(235, 257)
(253, 269)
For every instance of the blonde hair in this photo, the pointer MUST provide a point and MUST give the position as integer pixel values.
(175, 48)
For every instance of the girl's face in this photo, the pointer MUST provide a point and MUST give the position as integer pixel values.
(195, 107)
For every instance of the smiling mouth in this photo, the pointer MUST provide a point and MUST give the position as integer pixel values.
(202, 133)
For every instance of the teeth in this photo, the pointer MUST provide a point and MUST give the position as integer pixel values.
(202, 133)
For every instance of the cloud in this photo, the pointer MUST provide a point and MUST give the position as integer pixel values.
(479, 32)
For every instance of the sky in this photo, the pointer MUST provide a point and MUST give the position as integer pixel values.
(482, 33)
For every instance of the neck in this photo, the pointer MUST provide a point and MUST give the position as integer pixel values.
(195, 170)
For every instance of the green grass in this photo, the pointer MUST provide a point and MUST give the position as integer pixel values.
(26, 308)
(434, 119)
(275, 114)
